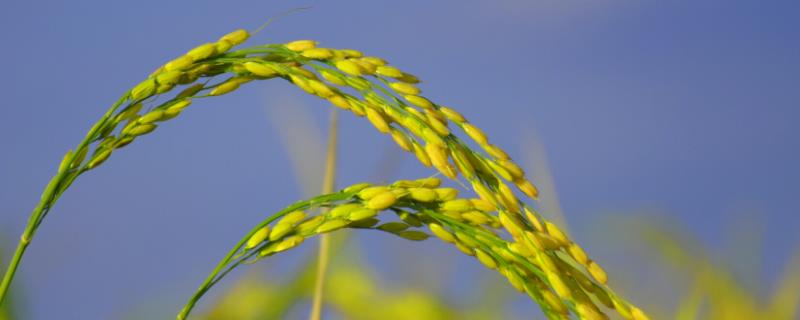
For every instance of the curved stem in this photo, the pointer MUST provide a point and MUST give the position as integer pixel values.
(215, 275)
(48, 199)
(325, 241)
(211, 279)
(12, 268)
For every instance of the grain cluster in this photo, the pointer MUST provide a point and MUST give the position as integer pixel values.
(499, 226)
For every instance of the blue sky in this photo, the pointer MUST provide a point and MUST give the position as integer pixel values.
(684, 109)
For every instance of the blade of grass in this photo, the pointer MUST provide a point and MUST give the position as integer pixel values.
(785, 300)
(325, 241)
(535, 156)
(301, 140)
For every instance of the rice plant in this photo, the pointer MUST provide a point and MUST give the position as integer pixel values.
(499, 226)
(715, 290)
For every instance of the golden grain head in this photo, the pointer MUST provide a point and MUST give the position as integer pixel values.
(554, 302)
(236, 37)
(360, 84)
(516, 281)
(321, 89)
(382, 201)
(144, 89)
(597, 272)
(280, 230)
(333, 77)
(422, 194)
(496, 152)
(202, 51)
(288, 243)
(401, 139)
(222, 46)
(339, 102)
(483, 205)
(366, 67)
(446, 194)
(527, 188)
(459, 205)
(437, 154)
(589, 312)
(463, 163)
(578, 254)
(140, 129)
(349, 67)
(357, 187)
(99, 158)
(509, 224)
(350, 53)
(260, 69)
(332, 225)
(224, 88)
(169, 77)
(466, 239)
(361, 214)
(301, 83)
(301, 45)
(513, 169)
(507, 197)
(344, 209)
(389, 71)
(377, 119)
(179, 63)
(558, 285)
(475, 133)
(554, 231)
(293, 217)
(190, 91)
(405, 88)
(257, 238)
(66, 161)
(440, 232)
(430, 182)
(485, 259)
(317, 53)
(419, 101)
(409, 78)
(152, 116)
(378, 62)
(370, 192)
(465, 248)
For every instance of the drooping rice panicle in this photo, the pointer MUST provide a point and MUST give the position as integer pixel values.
(417, 206)
(391, 100)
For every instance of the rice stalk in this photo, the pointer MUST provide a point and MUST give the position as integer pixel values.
(391, 100)
(296, 131)
(325, 241)
(446, 216)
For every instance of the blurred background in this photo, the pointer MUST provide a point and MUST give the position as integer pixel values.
(663, 134)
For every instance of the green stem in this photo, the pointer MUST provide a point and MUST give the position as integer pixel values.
(48, 199)
(33, 223)
(213, 277)
(12, 268)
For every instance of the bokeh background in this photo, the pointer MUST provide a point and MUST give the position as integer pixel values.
(679, 112)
